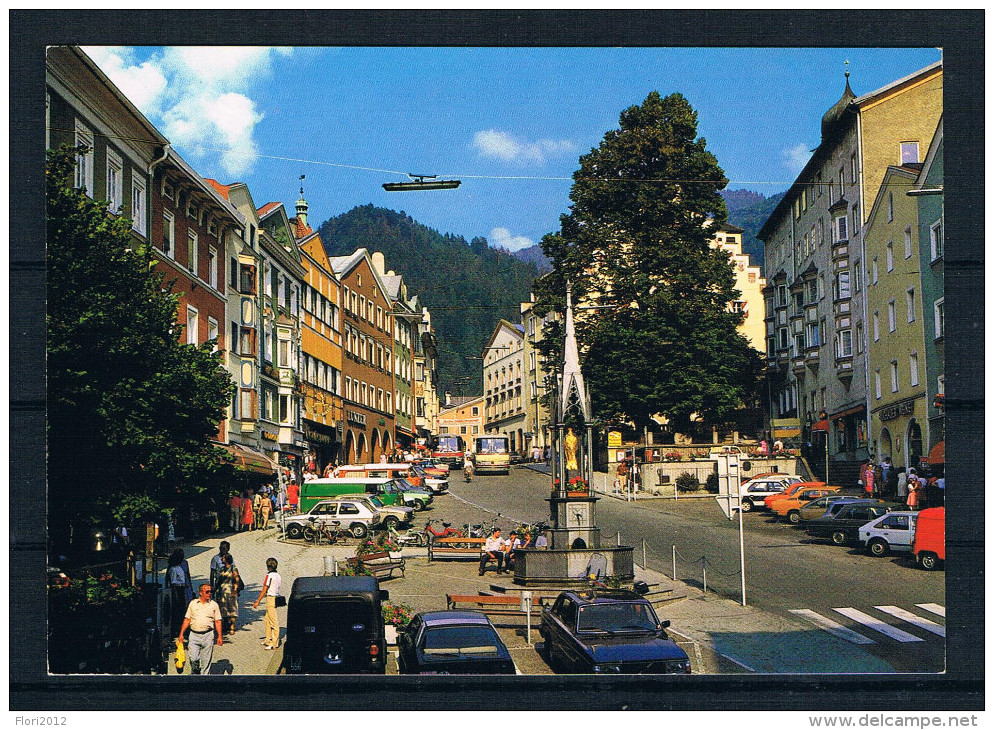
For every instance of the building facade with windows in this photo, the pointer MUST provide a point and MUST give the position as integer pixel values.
(243, 322)
(504, 384)
(367, 365)
(462, 416)
(749, 282)
(927, 191)
(898, 413)
(424, 359)
(537, 379)
(321, 349)
(282, 274)
(816, 317)
(406, 316)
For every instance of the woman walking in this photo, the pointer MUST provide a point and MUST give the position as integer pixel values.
(248, 514)
(265, 510)
(270, 591)
(226, 594)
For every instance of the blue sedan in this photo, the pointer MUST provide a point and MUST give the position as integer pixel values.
(452, 642)
(608, 632)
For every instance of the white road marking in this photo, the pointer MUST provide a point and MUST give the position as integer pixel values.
(922, 623)
(877, 625)
(934, 608)
(832, 627)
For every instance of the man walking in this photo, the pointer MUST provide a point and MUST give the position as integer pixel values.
(203, 618)
(217, 562)
(493, 549)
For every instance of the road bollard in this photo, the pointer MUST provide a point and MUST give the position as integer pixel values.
(674, 562)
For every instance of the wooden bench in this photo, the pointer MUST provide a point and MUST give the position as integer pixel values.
(456, 547)
(378, 563)
(499, 605)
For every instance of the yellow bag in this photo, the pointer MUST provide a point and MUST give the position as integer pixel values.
(180, 655)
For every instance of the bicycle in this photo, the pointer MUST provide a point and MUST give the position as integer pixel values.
(412, 538)
(317, 532)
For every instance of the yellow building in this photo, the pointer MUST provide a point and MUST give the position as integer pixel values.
(748, 281)
(321, 344)
(898, 403)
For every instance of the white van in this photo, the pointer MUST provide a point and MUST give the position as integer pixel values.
(892, 531)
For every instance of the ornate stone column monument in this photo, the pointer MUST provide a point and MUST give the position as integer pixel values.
(575, 553)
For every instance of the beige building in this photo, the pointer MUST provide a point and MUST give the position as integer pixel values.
(748, 281)
(462, 417)
(819, 377)
(503, 384)
(537, 416)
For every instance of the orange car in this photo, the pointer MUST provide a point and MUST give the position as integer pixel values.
(790, 492)
(790, 507)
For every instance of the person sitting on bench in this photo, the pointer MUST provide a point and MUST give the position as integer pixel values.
(493, 549)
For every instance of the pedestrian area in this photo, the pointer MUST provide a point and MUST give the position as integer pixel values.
(719, 635)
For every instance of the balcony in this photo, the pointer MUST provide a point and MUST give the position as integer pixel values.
(844, 368)
(797, 364)
(812, 357)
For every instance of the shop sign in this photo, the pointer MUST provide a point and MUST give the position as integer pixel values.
(315, 436)
(269, 436)
(614, 438)
(904, 408)
(356, 419)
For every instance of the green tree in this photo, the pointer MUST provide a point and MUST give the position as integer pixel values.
(131, 410)
(637, 240)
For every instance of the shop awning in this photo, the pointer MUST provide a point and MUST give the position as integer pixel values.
(821, 425)
(938, 453)
(849, 412)
(249, 460)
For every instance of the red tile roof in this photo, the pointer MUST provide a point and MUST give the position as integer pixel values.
(300, 228)
(267, 208)
(222, 189)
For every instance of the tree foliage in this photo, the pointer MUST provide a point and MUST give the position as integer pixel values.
(637, 240)
(131, 410)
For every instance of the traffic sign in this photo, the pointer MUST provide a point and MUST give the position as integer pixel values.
(729, 483)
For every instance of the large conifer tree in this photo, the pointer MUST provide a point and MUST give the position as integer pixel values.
(637, 239)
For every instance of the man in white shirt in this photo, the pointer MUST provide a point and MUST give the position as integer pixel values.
(203, 618)
(493, 549)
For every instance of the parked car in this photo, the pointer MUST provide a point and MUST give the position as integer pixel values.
(608, 632)
(790, 507)
(820, 506)
(893, 531)
(353, 514)
(452, 642)
(417, 497)
(755, 491)
(334, 625)
(790, 492)
(929, 546)
(842, 524)
(435, 482)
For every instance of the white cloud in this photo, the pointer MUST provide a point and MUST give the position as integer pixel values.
(491, 143)
(796, 157)
(198, 96)
(502, 238)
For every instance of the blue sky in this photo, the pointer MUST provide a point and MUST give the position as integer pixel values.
(511, 123)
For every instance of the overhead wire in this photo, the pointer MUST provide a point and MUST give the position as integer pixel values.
(548, 178)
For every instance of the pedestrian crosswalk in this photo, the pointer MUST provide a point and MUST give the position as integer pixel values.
(873, 627)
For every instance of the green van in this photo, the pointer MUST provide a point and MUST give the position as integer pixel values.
(388, 490)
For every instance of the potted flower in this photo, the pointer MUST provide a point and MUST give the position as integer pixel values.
(577, 487)
(395, 618)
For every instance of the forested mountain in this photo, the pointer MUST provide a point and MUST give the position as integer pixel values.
(534, 255)
(468, 286)
(749, 210)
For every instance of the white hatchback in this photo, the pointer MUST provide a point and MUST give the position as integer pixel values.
(892, 531)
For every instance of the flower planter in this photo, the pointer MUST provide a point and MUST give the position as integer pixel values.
(577, 494)
(395, 553)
